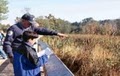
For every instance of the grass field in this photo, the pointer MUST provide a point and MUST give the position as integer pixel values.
(88, 55)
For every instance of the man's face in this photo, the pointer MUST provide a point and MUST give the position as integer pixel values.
(26, 23)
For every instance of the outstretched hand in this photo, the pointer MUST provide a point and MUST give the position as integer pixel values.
(62, 35)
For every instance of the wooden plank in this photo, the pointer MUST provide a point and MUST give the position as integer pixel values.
(6, 69)
(55, 67)
(3, 65)
(2, 61)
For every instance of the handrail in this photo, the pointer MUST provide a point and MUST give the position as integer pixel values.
(55, 67)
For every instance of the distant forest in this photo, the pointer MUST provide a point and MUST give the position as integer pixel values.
(86, 26)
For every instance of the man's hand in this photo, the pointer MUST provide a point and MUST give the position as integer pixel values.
(62, 35)
(11, 60)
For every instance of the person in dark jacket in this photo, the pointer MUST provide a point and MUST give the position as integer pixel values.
(27, 62)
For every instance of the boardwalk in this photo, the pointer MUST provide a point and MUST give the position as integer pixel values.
(54, 67)
(6, 69)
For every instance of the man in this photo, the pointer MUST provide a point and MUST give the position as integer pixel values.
(14, 34)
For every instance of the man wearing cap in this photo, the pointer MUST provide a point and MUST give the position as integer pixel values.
(14, 34)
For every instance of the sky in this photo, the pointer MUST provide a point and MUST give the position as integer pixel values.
(70, 10)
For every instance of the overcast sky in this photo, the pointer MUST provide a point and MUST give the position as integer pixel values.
(71, 10)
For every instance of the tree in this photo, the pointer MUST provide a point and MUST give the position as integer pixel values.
(109, 28)
(87, 20)
(4, 27)
(3, 9)
(53, 23)
(91, 28)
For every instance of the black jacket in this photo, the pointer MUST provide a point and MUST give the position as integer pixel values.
(28, 51)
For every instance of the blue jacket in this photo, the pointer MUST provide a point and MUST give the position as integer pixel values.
(14, 36)
(23, 65)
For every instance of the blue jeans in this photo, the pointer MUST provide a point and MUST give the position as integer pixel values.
(2, 53)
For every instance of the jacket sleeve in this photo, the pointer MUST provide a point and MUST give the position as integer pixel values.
(8, 42)
(44, 31)
(42, 60)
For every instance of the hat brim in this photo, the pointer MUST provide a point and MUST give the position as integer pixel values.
(32, 22)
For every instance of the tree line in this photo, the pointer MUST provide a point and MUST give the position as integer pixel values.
(86, 26)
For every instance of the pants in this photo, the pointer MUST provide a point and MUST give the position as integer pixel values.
(2, 53)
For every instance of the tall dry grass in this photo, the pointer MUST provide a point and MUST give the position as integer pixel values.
(88, 55)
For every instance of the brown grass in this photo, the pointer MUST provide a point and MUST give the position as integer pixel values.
(88, 55)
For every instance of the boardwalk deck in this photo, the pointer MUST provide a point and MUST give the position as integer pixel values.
(54, 67)
(6, 69)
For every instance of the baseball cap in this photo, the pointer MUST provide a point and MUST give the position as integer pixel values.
(28, 17)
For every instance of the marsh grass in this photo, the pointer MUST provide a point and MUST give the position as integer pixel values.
(88, 55)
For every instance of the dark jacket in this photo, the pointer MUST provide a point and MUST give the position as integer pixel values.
(14, 36)
(29, 52)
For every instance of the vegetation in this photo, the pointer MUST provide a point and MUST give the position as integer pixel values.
(86, 26)
(4, 27)
(3, 9)
(88, 55)
(93, 47)
(53, 23)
